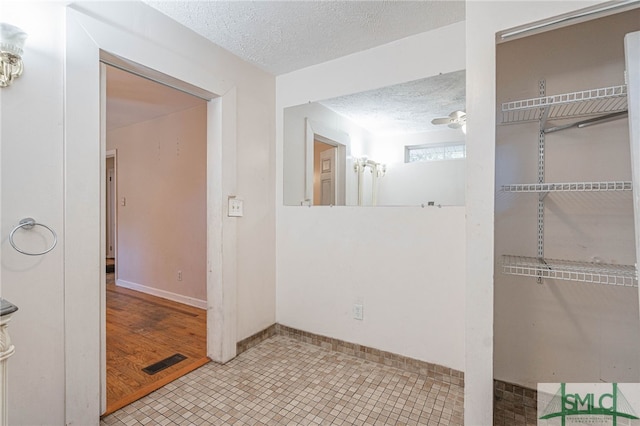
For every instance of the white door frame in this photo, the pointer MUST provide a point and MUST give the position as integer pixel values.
(632, 56)
(113, 153)
(89, 41)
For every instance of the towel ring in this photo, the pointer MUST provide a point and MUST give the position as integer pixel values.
(27, 224)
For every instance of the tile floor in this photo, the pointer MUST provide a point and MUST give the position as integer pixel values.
(283, 381)
(514, 405)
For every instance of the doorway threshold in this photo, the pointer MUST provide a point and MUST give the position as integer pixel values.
(152, 387)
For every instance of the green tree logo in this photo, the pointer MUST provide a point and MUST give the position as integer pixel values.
(589, 404)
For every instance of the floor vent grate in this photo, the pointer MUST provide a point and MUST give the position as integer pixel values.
(165, 363)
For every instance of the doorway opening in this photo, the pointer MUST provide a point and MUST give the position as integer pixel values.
(155, 235)
(88, 39)
(326, 162)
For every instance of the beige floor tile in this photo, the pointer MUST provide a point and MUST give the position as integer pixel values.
(283, 381)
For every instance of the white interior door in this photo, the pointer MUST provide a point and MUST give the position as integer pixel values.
(328, 177)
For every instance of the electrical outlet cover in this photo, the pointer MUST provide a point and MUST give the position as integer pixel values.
(236, 207)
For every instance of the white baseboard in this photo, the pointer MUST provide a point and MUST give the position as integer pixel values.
(191, 301)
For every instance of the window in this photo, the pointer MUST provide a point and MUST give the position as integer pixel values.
(434, 152)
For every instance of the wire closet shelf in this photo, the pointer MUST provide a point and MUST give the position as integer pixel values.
(569, 187)
(585, 103)
(598, 273)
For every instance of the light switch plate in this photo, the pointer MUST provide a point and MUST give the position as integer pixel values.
(236, 207)
(358, 311)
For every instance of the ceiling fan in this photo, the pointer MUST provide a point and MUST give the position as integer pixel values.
(455, 120)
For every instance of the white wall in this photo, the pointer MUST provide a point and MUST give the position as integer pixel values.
(412, 184)
(403, 264)
(32, 184)
(32, 138)
(575, 332)
(162, 226)
(483, 20)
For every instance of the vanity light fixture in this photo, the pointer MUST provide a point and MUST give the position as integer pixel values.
(378, 169)
(11, 43)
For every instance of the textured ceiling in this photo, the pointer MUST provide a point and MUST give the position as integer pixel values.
(404, 108)
(283, 36)
(132, 99)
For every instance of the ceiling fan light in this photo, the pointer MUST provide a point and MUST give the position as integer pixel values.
(441, 120)
(455, 120)
(457, 115)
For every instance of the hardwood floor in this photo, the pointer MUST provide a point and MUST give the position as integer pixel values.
(142, 330)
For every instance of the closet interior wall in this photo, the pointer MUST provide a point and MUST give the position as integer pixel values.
(556, 330)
